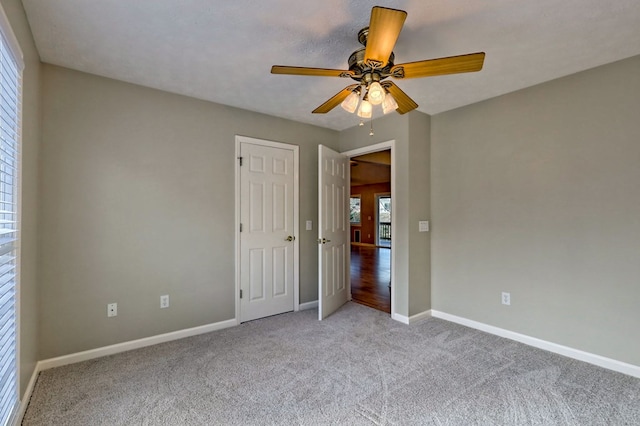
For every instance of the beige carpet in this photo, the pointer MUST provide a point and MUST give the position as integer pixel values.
(356, 368)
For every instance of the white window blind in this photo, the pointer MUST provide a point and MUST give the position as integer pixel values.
(10, 108)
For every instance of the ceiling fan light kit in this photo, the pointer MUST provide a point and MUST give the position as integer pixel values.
(376, 93)
(365, 110)
(389, 104)
(371, 65)
(350, 103)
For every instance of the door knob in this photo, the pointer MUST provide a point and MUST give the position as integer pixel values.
(290, 238)
(323, 241)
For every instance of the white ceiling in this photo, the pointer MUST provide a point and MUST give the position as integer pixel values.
(222, 51)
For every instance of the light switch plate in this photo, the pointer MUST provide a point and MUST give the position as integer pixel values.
(309, 225)
(423, 226)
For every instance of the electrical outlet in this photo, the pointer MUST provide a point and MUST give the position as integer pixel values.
(112, 310)
(164, 301)
(506, 298)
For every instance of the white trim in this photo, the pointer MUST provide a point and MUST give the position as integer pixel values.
(309, 305)
(600, 361)
(132, 344)
(296, 216)
(26, 396)
(237, 230)
(420, 316)
(376, 147)
(401, 318)
(296, 227)
(382, 146)
(413, 318)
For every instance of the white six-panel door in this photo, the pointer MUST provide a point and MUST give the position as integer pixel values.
(267, 231)
(333, 231)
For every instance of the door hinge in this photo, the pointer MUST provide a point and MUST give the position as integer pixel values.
(240, 293)
(240, 159)
(240, 227)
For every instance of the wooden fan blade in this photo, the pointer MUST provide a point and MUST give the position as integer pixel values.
(319, 72)
(384, 28)
(405, 103)
(336, 100)
(451, 65)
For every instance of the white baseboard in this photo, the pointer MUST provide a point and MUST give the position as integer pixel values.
(401, 318)
(133, 344)
(26, 397)
(420, 316)
(600, 361)
(308, 305)
(413, 318)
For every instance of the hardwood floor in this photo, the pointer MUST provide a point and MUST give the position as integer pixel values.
(370, 277)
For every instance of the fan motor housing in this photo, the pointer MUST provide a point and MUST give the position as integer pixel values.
(361, 70)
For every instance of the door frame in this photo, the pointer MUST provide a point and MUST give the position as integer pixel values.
(296, 216)
(382, 146)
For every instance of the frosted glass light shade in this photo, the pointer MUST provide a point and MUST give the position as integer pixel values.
(389, 104)
(350, 103)
(376, 93)
(365, 109)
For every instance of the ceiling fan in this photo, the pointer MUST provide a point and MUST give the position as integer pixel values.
(373, 63)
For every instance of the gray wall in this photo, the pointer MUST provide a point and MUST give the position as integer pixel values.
(411, 276)
(419, 209)
(537, 193)
(29, 217)
(138, 201)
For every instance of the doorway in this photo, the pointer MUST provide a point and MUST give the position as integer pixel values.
(372, 258)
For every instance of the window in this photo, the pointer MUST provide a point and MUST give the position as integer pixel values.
(10, 106)
(384, 220)
(354, 209)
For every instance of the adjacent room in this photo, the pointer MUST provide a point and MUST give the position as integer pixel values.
(370, 220)
(338, 212)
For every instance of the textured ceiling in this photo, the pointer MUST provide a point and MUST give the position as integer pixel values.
(222, 51)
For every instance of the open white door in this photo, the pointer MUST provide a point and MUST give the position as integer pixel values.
(333, 231)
